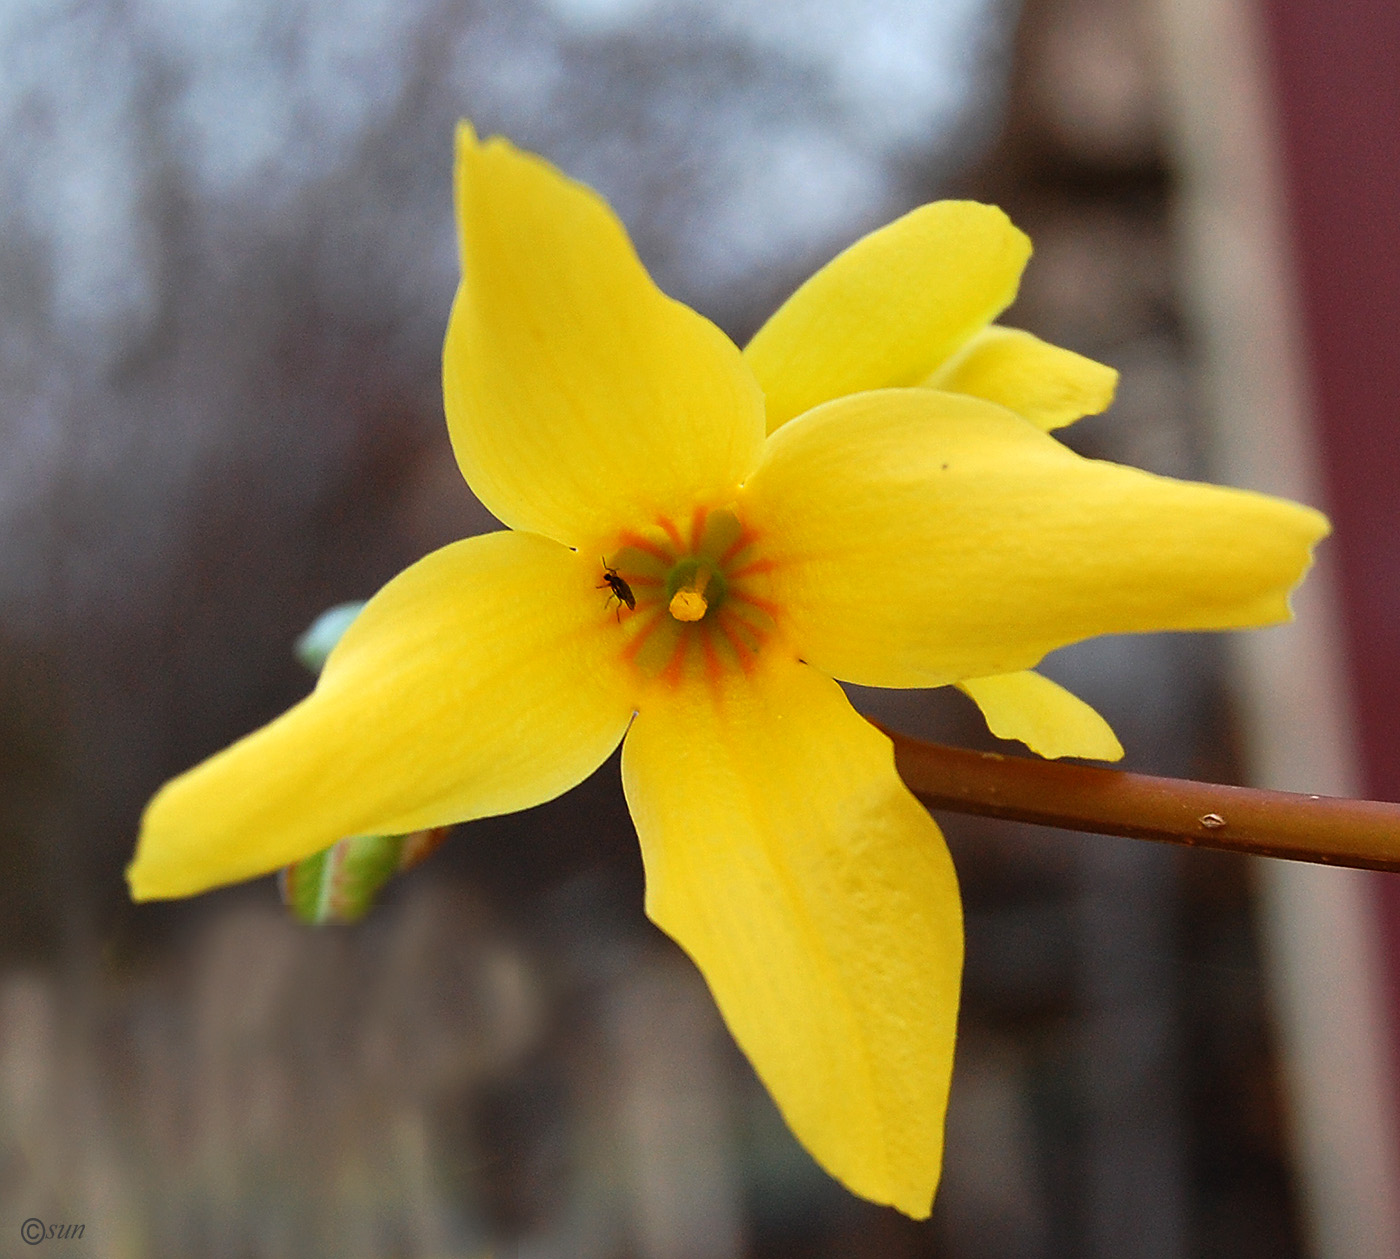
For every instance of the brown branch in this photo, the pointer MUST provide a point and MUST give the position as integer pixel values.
(1360, 833)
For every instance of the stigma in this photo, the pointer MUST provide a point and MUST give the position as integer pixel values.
(689, 602)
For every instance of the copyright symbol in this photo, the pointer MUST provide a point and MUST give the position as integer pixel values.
(32, 1231)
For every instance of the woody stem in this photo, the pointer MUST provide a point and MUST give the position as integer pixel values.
(1360, 833)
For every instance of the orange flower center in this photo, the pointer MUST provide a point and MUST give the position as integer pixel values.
(698, 596)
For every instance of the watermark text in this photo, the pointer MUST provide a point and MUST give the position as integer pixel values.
(34, 1230)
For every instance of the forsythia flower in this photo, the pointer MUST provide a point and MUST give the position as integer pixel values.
(699, 541)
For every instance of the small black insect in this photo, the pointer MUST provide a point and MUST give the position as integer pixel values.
(621, 591)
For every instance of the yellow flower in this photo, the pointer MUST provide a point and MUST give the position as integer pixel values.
(690, 571)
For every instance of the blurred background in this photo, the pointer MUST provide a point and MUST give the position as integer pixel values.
(226, 259)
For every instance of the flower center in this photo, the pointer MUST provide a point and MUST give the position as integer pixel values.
(700, 592)
(694, 588)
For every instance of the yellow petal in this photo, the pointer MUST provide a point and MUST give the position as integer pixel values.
(483, 679)
(581, 400)
(891, 308)
(1043, 715)
(1044, 384)
(818, 899)
(919, 538)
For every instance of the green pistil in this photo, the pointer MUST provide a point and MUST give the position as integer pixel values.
(683, 576)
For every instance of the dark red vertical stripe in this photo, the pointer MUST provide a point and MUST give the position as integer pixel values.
(1336, 66)
(1337, 72)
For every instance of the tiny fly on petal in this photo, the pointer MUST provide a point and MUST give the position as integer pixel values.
(621, 591)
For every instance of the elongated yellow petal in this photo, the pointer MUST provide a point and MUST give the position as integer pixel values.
(1044, 716)
(919, 538)
(581, 400)
(891, 308)
(1042, 383)
(482, 679)
(817, 897)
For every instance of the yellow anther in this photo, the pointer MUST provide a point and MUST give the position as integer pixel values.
(689, 602)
